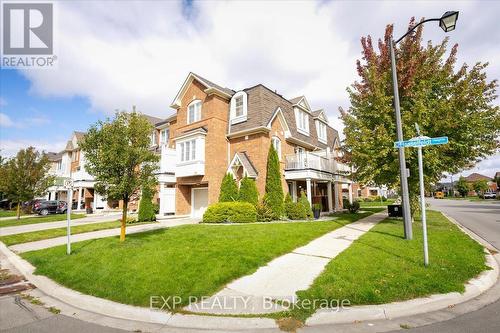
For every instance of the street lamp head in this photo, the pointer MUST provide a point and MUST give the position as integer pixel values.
(448, 21)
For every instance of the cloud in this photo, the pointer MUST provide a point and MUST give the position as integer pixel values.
(5, 120)
(488, 167)
(3, 102)
(9, 148)
(33, 121)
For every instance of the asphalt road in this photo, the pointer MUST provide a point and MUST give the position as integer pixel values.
(483, 218)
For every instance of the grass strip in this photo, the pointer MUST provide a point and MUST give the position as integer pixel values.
(38, 219)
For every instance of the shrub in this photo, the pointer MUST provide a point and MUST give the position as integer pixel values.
(354, 207)
(248, 191)
(146, 207)
(345, 203)
(274, 196)
(294, 210)
(306, 206)
(156, 208)
(264, 213)
(233, 212)
(228, 189)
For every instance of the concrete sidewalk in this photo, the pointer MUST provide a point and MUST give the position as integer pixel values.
(19, 229)
(281, 278)
(131, 229)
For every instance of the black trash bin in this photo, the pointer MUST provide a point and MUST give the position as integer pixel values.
(89, 210)
(395, 210)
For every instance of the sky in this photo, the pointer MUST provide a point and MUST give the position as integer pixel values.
(115, 54)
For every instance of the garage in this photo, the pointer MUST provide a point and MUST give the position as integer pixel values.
(199, 201)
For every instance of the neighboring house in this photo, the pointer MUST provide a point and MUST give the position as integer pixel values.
(216, 130)
(366, 191)
(474, 177)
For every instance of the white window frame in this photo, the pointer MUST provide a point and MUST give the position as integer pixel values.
(188, 150)
(302, 120)
(152, 137)
(235, 119)
(164, 135)
(195, 108)
(322, 132)
(276, 142)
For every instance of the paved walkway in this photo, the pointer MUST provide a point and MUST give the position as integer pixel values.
(19, 229)
(281, 278)
(131, 229)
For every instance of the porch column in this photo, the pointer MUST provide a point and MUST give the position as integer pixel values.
(349, 187)
(79, 198)
(162, 199)
(53, 196)
(308, 189)
(330, 201)
(95, 201)
(294, 191)
(337, 197)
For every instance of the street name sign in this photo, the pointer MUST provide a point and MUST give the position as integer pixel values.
(421, 142)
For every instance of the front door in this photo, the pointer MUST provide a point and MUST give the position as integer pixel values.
(200, 201)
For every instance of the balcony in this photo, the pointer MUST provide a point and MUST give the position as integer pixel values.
(314, 166)
(166, 171)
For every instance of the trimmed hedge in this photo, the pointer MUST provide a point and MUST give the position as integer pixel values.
(146, 206)
(228, 189)
(294, 210)
(232, 212)
(306, 205)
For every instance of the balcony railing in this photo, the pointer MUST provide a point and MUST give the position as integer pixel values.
(168, 160)
(303, 161)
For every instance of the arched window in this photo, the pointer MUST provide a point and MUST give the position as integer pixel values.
(238, 108)
(194, 111)
(276, 142)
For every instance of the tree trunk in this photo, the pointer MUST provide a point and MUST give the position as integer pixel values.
(18, 214)
(124, 219)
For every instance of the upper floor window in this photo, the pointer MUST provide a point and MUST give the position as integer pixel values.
(321, 130)
(302, 119)
(152, 137)
(164, 135)
(188, 150)
(238, 107)
(194, 112)
(276, 142)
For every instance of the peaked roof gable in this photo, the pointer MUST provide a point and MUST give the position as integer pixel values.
(301, 102)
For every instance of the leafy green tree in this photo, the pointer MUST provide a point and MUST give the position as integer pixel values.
(25, 176)
(480, 186)
(228, 189)
(442, 98)
(462, 187)
(274, 196)
(306, 205)
(146, 206)
(117, 154)
(248, 191)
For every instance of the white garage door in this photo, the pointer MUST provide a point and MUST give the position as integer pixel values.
(200, 201)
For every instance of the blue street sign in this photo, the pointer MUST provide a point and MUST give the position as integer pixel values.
(421, 141)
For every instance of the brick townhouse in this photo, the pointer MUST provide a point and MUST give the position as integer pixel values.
(216, 130)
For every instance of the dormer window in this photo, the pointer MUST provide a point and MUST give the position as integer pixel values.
(321, 130)
(302, 119)
(238, 108)
(194, 112)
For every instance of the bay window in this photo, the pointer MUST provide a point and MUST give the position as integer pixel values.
(188, 150)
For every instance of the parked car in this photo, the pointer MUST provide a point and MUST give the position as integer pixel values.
(50, 207)
(439, 195)
(489, 195)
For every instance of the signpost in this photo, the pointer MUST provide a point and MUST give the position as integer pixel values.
(419, 142)
(68, 184)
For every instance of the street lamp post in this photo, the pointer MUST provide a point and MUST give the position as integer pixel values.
(448, 23)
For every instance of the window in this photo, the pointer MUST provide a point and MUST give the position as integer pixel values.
(276, 142)
(238, 107)
(153, 138)
(321, 130)
(194, 112)
(164, 135)
(188, 151)
(302, 119)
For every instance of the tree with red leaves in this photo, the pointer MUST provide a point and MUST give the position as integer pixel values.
(442, 99)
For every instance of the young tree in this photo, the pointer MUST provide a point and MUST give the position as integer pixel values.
(306, 205)
(146, 207)
(462, 187)
(248, 191)
(228, 189)
(117, 154)
(25, 176)
(442, 99)
(274, 196)
(480, 186)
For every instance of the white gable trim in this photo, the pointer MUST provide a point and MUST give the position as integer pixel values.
(278, 113)
(303, 104)
(209, 90)
(322, 116)
(235, 159)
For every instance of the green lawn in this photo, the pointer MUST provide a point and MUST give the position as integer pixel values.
(7, 213)
(471, 198)
(190, 260)
(58, 232)
(38, 219)
(382, 267)
(363, 204)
